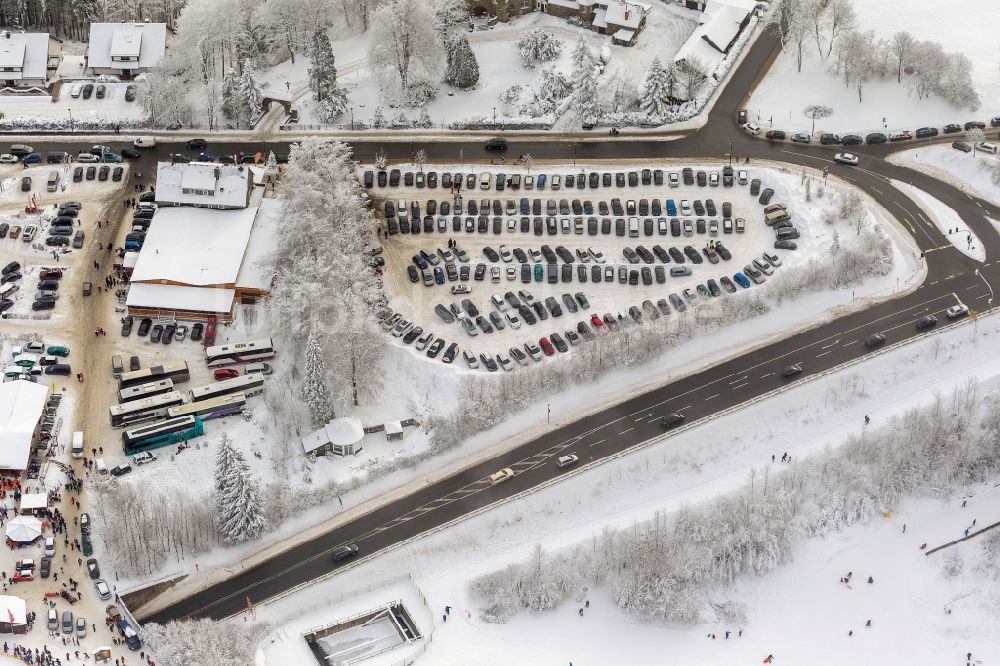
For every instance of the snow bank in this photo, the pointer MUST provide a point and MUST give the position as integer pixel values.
(947, 220)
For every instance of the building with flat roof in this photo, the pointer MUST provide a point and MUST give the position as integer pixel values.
(203, 185)
(125, 49)
(28, 59)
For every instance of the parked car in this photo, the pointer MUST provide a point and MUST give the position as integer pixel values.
(962, 146)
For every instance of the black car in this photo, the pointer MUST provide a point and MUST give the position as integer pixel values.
(765, 196)
(723, 251)
(926, 132)
(342, 553)
(876, 137)
(951, 128)
(777, 135)
(155, 334)
(671, 420)
(91, 172)
(130, 154)
(126, 326)
(974, 124)
(785, 245)
(196, 332)
(925, 322)
(559, 343)
(688, 174)
(43, 305)
(791, 371)
(116, 175)
(196, 144)
(852, 139)
(874, 341)
(77, 174)
(88, 90)
(93, 569)
(829, 139)
(496, 143)
(130, 93)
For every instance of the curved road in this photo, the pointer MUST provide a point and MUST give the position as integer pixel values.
(950, 280)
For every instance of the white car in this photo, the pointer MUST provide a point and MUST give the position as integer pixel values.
(7, 158)
(956, 311)
(424, 340)
(505, 254)
(470, 360)
(846, 158)
(87, 157)
(741, 177)
(50, 546)
(461, 289)
(501, 476)
(513, 320)
(596, 254)
(685, 207)
(494, 273)
(499, 302)
(987, 147)
(752, 129)
(505, 362)
(142, 458)
(674, 179)
(103, 591)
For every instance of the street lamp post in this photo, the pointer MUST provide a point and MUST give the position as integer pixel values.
(70, 119)
(989, 301)
(352, 118)
(494, 119)
(574, 153)
(730, 154)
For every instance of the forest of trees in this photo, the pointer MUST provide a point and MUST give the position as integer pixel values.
(71, 19)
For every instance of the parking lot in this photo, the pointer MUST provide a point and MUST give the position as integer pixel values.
(622, 245)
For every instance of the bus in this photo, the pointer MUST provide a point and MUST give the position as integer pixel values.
(147, 409)
(249, 385)
(239, 352)
(213, 408)
(160, 434)
(176, 371)
(146, 390)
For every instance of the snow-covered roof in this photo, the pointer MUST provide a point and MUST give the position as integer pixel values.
(128, 261)
(343, 431)
(253, 273)
(31, 501)
(148, 41)
(696, 51)
(625, 14)
(568, 4)
(202, 183)
(21, 405)
(393, 428)
(13, 607)
(27, 51)
(277, 94)
(713, 6)
(724, 26)
(173, 297)
(624, 35)
(195, 246)
(600, 18)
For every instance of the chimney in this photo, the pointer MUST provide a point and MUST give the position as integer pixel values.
(217, 173)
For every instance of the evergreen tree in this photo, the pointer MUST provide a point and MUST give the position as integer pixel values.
(314, 389)
(238, 498)
(425, 119)
(250, 94)
(230, 93)
(378, 120)
(330, 97)
(463, 68)
(584, 81)
(654, 95)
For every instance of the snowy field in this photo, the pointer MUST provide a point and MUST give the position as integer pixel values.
(500, 67)
(907, 601)
(780, 98)
(963, 170)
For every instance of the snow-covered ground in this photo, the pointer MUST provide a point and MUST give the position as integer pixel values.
(783, 94)
(906, 602)
(968, 172)
(667, 27)
(947, 220)
(35, 108)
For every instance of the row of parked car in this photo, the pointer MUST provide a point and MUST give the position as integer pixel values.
(25, 154)
(35, 358)
(830, 139)
(47, 288)
(552, 208)
(160, 333)
(486, 180)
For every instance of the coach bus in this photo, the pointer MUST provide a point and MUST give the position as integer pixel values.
(248, 385)
(146, 390)
(239, 352)
(145, 409)
(165, 433)
(213, 408)
(176, 371)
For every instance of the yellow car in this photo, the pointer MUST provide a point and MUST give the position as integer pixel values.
(501, 476)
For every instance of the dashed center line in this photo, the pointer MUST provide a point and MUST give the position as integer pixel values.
(625, 431)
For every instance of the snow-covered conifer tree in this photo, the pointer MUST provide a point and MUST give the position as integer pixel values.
(463, 68)
(238, 498)
(250, 93)
(584, 81)
(314, 387)
(537, 45)
(655, 92)
(331, 98)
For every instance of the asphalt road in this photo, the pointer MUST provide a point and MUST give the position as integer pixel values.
(950, 280)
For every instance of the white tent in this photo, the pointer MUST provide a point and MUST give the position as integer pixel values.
(34, 501)
(13, 614)
(24, 529)
(21, 405)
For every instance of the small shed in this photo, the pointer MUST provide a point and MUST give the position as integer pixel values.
(340, 437)
(393, 431)
(33, 503)
(13, 615)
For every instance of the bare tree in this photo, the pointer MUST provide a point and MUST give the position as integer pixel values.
(840, 18)
(902, 45)
(420, 159)
(404, 44)
(814, 111)
(975, 136)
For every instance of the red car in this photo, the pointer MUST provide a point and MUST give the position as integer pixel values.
(546, 346)
(50, 274)
(226, 373)
(23, 576)
(901, 136)
(595, 319)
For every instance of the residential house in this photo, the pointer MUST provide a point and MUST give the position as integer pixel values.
(721, 24)
(28, 59)
(125, 49)
(623, 20)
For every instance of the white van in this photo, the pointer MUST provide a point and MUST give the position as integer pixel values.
(53, 182)
(633, 227)
(262, 368)
(102, 469)
(75, 89)
(77, 449)
(145, 142)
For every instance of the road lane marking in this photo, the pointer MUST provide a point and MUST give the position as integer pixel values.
(823, 354)
(600, 442)
(741, 385)
(625, 431)
(713, 396)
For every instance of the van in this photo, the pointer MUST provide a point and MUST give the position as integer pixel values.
(776, 216)
(262, 368)
(7, 290)
(81, 627)
(633, 227)
(773, 207)
(77, 450)
(57, 157)
(53, 619)
(74, 90)
(145, 142)
(116, 365)
(52, 184)
(67, 622)
(102, 469)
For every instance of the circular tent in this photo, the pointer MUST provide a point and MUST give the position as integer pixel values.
(24, 529)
